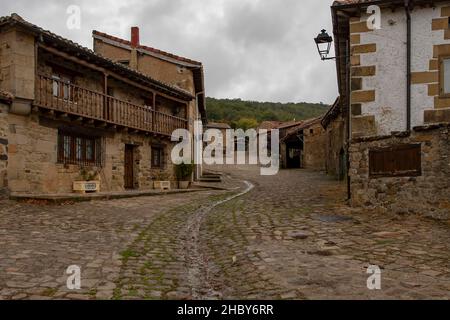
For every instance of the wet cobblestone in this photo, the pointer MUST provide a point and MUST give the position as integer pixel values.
(291, 237)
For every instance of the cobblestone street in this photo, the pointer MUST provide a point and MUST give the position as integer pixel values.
(285, 237)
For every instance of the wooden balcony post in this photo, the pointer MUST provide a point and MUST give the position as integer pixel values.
(154, 112)
(105, 97)
(187, 116)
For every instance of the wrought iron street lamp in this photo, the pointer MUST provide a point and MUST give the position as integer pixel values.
(323, 42)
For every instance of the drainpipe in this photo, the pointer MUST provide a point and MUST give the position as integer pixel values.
(408, 64)
(199, 167)
(349, 115)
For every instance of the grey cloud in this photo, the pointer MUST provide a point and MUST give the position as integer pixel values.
(251, 49)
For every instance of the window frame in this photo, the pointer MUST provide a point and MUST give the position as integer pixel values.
(160, 150)
(442, 93)
(72, 149)
(63, 86)
(389, 153)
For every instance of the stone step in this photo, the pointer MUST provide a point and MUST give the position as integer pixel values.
(210, 179)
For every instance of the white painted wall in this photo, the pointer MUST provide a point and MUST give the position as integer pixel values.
(389, 106)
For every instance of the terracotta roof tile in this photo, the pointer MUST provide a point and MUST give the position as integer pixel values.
(289, 124)
(306, 124)
(146, 48)
(268, 125)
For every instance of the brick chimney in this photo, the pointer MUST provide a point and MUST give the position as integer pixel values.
(135, 37)
(134, 63)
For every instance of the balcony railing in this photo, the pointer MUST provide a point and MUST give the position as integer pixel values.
(58, 95)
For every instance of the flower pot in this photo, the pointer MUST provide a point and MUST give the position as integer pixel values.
(161, 185)
(184, 184)
(86, 186)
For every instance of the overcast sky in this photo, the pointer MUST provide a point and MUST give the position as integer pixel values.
(259, 50)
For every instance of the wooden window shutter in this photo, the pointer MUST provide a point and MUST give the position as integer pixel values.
(396, 161)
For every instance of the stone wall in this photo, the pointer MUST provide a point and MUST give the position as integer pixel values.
(428, 194)
(3, 149)
(335, 148)
(315, 146)
(17, 63)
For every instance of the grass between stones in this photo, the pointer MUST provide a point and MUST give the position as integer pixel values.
(156, 247)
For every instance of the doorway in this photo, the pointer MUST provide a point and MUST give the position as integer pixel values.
(129, 166)
(293, 157)
(342, 165)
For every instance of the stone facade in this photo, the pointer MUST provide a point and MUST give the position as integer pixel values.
(303, 145)
(427, 194)
(334, 124)
(32, 165)
(3, 149)
(379, 84)
(381, 123)
(335, 150)
(315, 146)
(17, 63)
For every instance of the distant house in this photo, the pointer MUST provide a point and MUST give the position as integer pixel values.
(222, 127)
(269, 125)
(67, 111)
(395, 91)
(334, 124)
(303, 146)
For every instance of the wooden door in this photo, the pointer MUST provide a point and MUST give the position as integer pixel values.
(129, 164)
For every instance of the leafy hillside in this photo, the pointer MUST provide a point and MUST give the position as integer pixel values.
(235, 110)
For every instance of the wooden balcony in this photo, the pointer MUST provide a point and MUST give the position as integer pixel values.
(60, 96)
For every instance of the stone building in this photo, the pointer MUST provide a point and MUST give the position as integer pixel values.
(303, 146)
(334, 125)
(222, 127)
(166, 67)
(399, 84)
(72, 113)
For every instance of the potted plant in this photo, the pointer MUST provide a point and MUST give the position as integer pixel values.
(87, 181)
(183, 172)
(161, 181)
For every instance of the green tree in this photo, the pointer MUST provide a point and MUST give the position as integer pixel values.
(237, 112)
(246, 123)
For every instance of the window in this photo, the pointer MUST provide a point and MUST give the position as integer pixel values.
(148, 102)
(444, 76)
(157, 157)
(396, 161)
(80, 150)
(62, 86)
